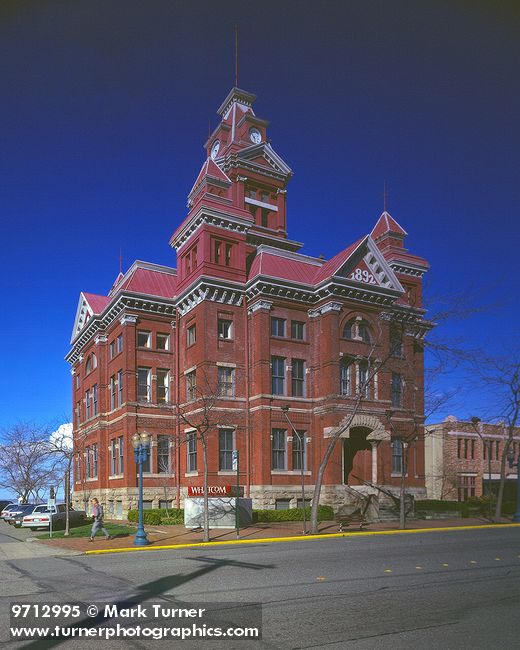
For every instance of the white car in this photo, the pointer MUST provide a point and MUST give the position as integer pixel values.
(7, 509)
(40, 517)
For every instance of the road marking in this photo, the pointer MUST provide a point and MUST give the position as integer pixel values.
(444, 564)
(321, 578)
(388, 570)
(498, 558)
(299, 538)
(472, 561)
(418, 567)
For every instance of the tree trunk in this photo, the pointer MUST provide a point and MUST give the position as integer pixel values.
(206, 503)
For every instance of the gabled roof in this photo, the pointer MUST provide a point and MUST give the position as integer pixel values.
(97, 303)
(331, 267)
(270, 156)
(144, 278)
(283, 266)
(89, 304)
(209, 170)
(386, 224)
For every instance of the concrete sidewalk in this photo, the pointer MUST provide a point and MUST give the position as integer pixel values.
(172, 535)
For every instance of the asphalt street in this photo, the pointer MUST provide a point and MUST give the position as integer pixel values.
(450, 590)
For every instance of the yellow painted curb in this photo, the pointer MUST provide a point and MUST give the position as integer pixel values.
(299, 538)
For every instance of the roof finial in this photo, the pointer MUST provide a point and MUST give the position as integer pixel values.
(236, 56)
(385, 196)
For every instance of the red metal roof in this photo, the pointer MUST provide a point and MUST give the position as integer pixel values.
(96, 303)
(212, 170)
(284, 268)
(387, 224)
(150, 282)
(331, 267)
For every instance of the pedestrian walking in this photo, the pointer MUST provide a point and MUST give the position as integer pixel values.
(98, 524)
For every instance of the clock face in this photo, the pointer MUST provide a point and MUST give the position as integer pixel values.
(214, 149)
(255, 135)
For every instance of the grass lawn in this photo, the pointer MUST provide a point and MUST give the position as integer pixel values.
(84, 531)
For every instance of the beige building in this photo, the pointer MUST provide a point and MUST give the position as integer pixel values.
(463, 458)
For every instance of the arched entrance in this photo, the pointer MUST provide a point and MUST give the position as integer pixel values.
(357, 456)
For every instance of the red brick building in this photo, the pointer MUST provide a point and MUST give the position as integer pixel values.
(248, 316)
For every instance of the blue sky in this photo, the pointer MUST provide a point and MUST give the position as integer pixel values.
(105, 108)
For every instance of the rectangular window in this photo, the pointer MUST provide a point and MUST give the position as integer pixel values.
(396, 342)
(497, 448)
(278, 375)
(164, 504)
(298, 377)
(466, 487)
(112, 349)
(345, 378)
(397, 457)
(119, 343)
(120, 388)
(144, 339)
(299, 451)
(78, 468)
(229, 249)
(163, 341)
(78, 414)
(163, 455)
(88, 407)
(226, 381)
(472, 449)
(397, 390)
(113, 392)
(459, 447)
(88, 473)
(217, 251)
(297, 330)
(191, 441)
(224, 328)
(77, 381)
(94, 399)
(191, 335)
(191, 386)
(282, 504)
(277, 326)
(144, 384)
(363, 380)
(163, 386)
(225, 449)
(94, 461)
(147, 464)
(113, 457)
(120, 455)
(279, 449)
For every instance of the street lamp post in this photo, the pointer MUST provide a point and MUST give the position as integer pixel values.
(511, 459)
(301, 438)
(141, 443)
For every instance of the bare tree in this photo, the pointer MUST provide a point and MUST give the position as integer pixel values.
(61, 447)
(201, 416)
(26, 465)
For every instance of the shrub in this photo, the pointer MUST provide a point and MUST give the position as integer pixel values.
(150, 517)
(325, 513)
(437, 505)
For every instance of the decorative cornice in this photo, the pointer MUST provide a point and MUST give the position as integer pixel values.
(100, 338)
(128, 319)
(261, 304)
(207, 290)
(213, 218)
(331, 306)
(408, 269)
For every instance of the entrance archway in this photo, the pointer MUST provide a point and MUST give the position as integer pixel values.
(357, 456)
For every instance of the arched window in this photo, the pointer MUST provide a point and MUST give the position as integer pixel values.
(357, 329)
(91, 363)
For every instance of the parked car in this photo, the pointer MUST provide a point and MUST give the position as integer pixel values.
(39, 517)
(4, 503)
(16, 519)
(19, 507)
(6, 509)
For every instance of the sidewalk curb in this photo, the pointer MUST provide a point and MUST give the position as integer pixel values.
(301, 538)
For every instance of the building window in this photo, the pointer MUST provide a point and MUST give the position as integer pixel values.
(144, 339)
(120, 388)
(77, 381)
(87, 463)
(278, 375)
(119, 343)
(364, 379)
(396, 342)
(88, 407)
(299, 449)
(397, 390)
(163, 341)
(164, 504)
(466, 487)
(459, 448)
(397, 457)
(94, 399)
(94, 461)
(297, 330)
(497, 448)
(113, 392)
(191, 335)
(279, 449)
(357, 329)
(163, 386)
(224, 328)
(265, 217)
(191, 441)
(282, 504)
(91, 363)
(191, 386)
(298, 377)
(163, 455)
(78, 414)
(229, 249)
(120, 455)
(113, 457)
(112, 349)
(225, 449)
(277, 326)
(472, 449)
(217, 251)
(226, 381)
(78, 468)
(144, 384)
(345, 377)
